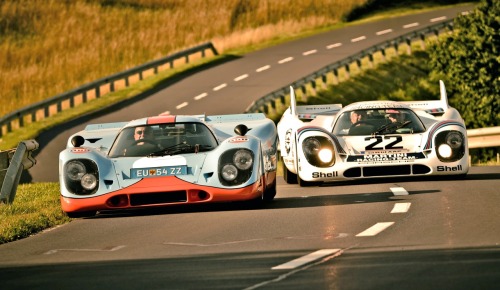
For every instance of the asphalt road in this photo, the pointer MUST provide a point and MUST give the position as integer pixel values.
(230, 86)
(421, 233)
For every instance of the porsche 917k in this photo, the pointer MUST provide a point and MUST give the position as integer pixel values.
(168, 160)
(372, 139)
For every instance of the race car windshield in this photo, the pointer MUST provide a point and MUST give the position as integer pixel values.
(163, 139)
(378, 122)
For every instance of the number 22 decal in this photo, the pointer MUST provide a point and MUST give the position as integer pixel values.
(378, 140)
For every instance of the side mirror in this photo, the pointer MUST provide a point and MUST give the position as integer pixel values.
(241, 129)
(77, 141)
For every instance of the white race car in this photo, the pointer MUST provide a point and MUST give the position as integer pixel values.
(372, 139)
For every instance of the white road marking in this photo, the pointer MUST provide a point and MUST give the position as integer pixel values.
(382, 32)
(399, 191)
(465, 13)
(334, 45)
(401, 207)
(306, 259)
(180, 106)
(285, 60)
(165, 113)
(438, 19)
(241, 77)
(219, 87)
(294, 271)
(210, 245)
(358, 38)
(375, 229)
(200, 96)
(310, 52)
(263, 68)
(84, 250)
(411, 25)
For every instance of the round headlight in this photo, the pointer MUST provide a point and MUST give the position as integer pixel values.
(325, 155)
(445, 150)
(89, 181)
(229, 172)
(454, 139)
(243, 159)
(75, 170)
(311, 146)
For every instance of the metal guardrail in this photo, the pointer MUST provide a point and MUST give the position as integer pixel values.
(261, 105)
(95, 86)
(21, 160)
(483, 137)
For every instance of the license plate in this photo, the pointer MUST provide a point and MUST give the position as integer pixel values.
(158, 171)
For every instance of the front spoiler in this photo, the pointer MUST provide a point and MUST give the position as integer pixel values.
(121, 199)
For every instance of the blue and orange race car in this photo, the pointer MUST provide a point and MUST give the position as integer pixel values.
(168, 160)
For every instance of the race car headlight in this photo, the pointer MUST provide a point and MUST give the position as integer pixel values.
(229, 172)
(319, 151)
(444, 150)
(81, 176)
(450, 146)
(75, 170)
(89, 181)
(455, 140)
(235, 166)
(242, 159)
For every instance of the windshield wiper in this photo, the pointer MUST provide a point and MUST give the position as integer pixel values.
(391, 127)
(181, 147)
(171, 149)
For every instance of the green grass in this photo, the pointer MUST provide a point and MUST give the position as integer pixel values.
(36, 207)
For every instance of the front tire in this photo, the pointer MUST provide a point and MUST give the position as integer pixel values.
(290, 177)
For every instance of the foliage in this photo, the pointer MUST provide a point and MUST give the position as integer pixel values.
(469, 62)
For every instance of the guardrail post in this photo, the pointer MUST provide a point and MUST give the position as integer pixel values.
(22, 160)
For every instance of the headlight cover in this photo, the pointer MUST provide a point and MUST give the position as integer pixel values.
(81, 176)
(319, 151)
(235, 166)
(450, 146)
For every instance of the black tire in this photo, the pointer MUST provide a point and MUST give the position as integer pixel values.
(81, 214)
(304, 183)
(270, 192)
(290, 178)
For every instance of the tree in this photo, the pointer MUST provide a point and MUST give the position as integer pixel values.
(469, 62)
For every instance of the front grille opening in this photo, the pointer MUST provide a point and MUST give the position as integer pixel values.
(387, 170)
(158, 198)
(420, 169)
(353, 172)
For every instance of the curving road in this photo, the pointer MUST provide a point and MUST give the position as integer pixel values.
(423, 233)
(230, 87)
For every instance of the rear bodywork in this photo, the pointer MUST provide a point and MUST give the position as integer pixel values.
(97, 172)
(316, 145)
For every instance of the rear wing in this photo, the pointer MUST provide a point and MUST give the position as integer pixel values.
(310, 112)
(433, 107)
